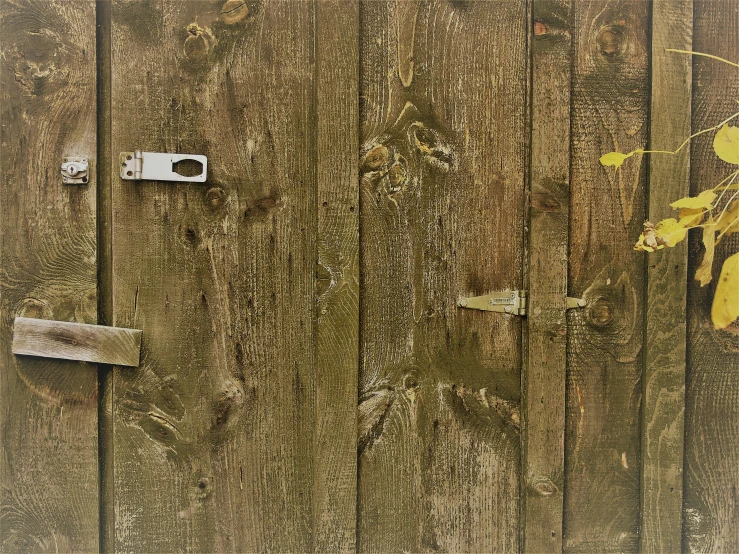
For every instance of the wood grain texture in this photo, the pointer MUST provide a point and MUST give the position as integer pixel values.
(610, 104)
(663, 380)
(48, 408)
(337, 327)
(76, 341)
(442, 116)
(544, 385)
(214, 433)
(105, 271)
(711, 508)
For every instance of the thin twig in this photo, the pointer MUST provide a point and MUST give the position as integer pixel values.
(701, 54)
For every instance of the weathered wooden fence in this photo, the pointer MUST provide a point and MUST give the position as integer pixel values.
(371, 164)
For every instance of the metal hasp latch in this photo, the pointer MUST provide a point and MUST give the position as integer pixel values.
(74, 170)
(159, 166)
(512, 302)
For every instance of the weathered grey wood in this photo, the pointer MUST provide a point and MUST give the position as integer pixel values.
(710, 522)
(607, 209)
(76, 341)
(337, 327)
(48, 408)
(544, 387)
(663, 380)
(214, 432)
(443, 111)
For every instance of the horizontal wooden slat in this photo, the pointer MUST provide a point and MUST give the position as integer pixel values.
(76, 341)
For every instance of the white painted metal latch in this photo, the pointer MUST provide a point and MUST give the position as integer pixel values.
(514, 302)
(74, 170)
(159, 166)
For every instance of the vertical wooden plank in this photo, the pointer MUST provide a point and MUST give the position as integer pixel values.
(607, 209)
(663, 380)
(48, 408)
(544, 376)
(711, 519)
(214, 431)
(105, 271)
(443, 99)
(337, 327)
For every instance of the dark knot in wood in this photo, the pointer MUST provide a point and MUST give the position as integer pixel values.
(544, 202)
(601, 313)
(612, 41)
(215, 197)
(375, 158)
(544, 487)
(233, 11)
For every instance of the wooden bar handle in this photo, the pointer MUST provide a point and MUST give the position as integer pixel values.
(76, 341)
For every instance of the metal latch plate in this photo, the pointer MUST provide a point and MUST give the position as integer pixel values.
(74, 170)
(510, 302)
(159, 166)
(514, 302)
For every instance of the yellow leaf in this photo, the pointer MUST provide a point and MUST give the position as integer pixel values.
(726, 144)
(729, 222)
(670, 231)
(693, 216)
(703, 273)
(616, 158)
(667, 232)
(702, 201)
(725, 308)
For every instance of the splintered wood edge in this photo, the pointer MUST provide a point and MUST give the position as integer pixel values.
(76, 341)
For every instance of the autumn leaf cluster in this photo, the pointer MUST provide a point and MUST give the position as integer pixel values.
(715, 211)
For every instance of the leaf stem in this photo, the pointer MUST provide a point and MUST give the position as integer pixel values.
(691, 137)
(701, 54)
(731, 176)
(721, 234)
(720, 196)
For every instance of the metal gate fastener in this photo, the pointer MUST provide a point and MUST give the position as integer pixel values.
(74, 170)
(514, 302)
(159, 166)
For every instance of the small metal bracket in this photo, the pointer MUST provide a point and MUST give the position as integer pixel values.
(74, 170)
(514, 302)
(159, 166)
(575, 303)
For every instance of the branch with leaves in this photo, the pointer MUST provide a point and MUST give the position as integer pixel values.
(702, 212)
